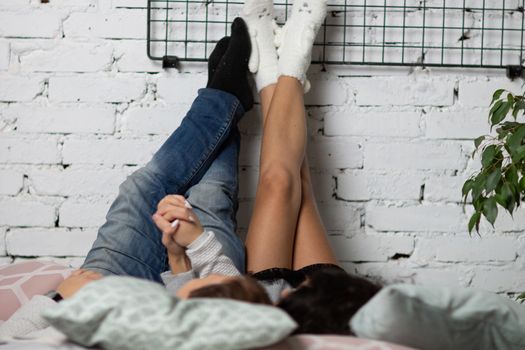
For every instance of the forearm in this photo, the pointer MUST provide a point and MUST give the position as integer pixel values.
(179, 263)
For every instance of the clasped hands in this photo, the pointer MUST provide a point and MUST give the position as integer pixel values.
(180, 227)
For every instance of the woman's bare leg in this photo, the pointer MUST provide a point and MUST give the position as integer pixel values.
(311, 242)
(271, 234)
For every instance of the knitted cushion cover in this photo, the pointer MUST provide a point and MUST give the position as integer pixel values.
(129, 313)
(21, 281)
(436, 318)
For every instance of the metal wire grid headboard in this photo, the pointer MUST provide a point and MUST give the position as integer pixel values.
(444, 33)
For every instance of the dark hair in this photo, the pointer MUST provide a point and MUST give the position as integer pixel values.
(327, 300)
(242, 288)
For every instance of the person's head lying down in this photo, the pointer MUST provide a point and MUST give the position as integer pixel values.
(243, 288)
(322, 304)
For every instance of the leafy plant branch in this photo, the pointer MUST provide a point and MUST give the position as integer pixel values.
(501, 179)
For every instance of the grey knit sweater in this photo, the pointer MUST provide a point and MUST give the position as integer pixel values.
(206, 256)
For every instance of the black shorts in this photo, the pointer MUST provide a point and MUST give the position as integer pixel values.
(293, 277)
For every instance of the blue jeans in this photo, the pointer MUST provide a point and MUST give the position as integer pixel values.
(199, 160)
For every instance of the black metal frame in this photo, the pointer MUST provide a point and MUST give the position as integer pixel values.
(428, 33)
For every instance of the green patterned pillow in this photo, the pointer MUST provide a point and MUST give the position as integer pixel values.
(129, 313)
(436, 318)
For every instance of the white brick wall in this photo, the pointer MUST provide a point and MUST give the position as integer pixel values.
(77, 119)
(29, 24)
(4, 55)
(417, 218)
(11, 182)
(372, 123)
(77, 180)
(402, 91)
(26, 212)
(82, 107)
(51, 242)
(95, 150)
(117, 24)
(84, 212)
(414, 155)
(70, 57)
(19, 88)
(20, 148)
(96, 88)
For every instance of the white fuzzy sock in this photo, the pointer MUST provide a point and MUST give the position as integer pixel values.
(258, 15)
(296, 38)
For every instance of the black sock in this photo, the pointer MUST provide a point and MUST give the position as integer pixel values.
(231, 74)
(216, 56)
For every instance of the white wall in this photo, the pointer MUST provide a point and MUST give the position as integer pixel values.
(81, 107)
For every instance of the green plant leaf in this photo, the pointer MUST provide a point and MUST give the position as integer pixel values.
(474, 221)
(501, 199)
(498, 158)
(519, 106)
(478, 141)
(493, 180)
(500, 113)
(510, 125)
(521, 297)
(494, 108)
(510, 98)
(505, 197)
(477, 187)
(511, 175)
(522, 184)
(516, 139)
(497, 95)
(478, 203)
(519, 154)
(490, 210)
(506, 128)
(488, 155)
(467, 186)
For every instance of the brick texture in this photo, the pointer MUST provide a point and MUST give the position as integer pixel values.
(82, 107)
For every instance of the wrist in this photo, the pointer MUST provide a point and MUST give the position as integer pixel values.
(195, 235)
(179, 263)
(189, 237)
(55, 295)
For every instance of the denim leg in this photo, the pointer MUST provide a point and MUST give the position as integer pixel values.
(214, 200)
(129, 243)
(188, 152)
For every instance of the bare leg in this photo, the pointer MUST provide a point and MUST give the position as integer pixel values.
(271, 234)
(311, 243)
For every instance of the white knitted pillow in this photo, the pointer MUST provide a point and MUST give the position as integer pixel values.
(21, 281)
(129, 313)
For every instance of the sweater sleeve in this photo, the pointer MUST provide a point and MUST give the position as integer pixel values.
(174, 282)
(207, 257)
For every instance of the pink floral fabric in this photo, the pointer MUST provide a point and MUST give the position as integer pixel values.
(20, 282)
(332, 342)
